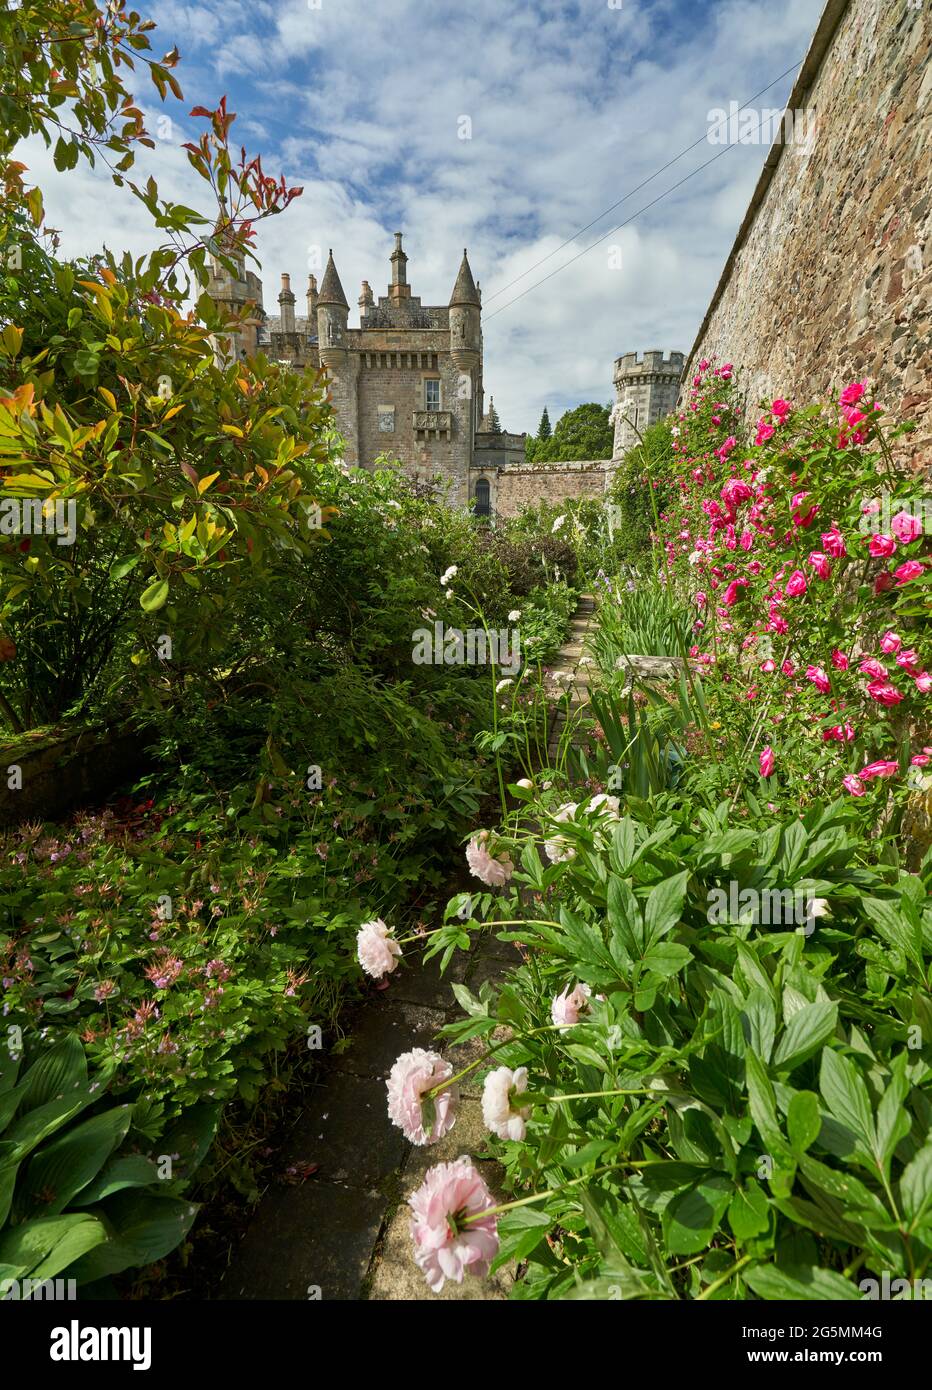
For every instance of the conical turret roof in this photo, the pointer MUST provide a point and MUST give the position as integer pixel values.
(331, 291)
(464, 291)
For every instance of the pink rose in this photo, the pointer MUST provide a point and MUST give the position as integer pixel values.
(768, 666)
(854, 785)
(906, 527)
(924, 682)
(872, 667)
(376, 949)
(911, 570)
(447, 1244)
(413, 1074)
(881, 546)
(764, 432)
(890, 643)
(820, 564)
(819, 679)
(767, 761)
(834, 543)
(839, 660)
(733, 592)
(884, 693)
(781, 410)
(909, 660)
(853, 393)
(796, 584)
(881, 768)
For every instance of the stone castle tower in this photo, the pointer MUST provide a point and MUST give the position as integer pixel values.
(645, 391)
(406, 383)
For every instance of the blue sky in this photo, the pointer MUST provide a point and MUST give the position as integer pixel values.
(570, 105)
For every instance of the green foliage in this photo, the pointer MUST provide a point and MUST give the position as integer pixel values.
(79, 1197)
(742, 1109)
(641, 489)
(582, 433)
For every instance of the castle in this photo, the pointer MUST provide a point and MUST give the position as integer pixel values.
(408, 383)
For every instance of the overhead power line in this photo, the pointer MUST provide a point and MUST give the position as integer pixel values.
(643, 184)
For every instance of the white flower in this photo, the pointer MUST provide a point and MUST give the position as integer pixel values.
(524, 782)
(557, 524)
(377, 950)
(605, 805)
(503, 685)
(567, 1007)
(556, 848)
(514, 615)
(547, 786)
(498, 1110)
(447, 575)
(695, 557)
(495, 871)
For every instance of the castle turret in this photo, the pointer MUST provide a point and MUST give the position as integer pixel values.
(465, 314)
(399, 289)
(645, 391)
(312, 303)
(286, 305)
(332, 317)
(366, 299)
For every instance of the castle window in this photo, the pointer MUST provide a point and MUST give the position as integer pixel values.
(432, 393)
(483, 505)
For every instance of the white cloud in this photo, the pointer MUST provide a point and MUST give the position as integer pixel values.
(571, 106)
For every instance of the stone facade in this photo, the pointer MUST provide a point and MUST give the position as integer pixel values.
(530, 484)
(406, 383)
(645, 391)
(829, 278)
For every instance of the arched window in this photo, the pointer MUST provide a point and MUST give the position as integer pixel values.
(483, 505)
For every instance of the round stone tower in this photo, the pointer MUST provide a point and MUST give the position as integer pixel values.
(645, 391)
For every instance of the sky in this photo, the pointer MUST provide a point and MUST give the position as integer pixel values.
(501, 126)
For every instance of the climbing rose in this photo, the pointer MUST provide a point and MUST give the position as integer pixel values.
(767, 761)
(820, 564)
(890, 643)
(909, 660)
(377, 950)
(881, 546)
(839, 660)
(495, 871)
(819, 679)
(764, 432)
(781, 409)
(872, 667)
(445, 1248)
(881, 768)
(796, 584)
(567, 1007)
(834, 543)
(412, 1074)
(911, 570)
(853, 393)
(884, 693)
(924, 682)
(497, 1109)
(906, 527)
(854, 785)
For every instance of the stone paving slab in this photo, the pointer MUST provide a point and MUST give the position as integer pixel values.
(345, 1231)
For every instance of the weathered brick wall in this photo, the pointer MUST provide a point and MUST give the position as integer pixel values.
(536, 483)
(829, 278)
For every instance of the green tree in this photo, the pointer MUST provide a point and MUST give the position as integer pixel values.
(582, 433)
(544, 430)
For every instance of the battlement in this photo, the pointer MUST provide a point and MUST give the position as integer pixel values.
(653, 360)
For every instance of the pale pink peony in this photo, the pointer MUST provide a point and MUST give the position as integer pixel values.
(377, 950)
(567, 1007)
(412, 1074)
(445, 1248)
(495, 871)
(497, 1109)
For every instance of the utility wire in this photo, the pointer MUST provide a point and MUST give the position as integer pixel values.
(612, 230)
(656, 174)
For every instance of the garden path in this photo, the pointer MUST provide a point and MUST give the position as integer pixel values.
(344, 1233)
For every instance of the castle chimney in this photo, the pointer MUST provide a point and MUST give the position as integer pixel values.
(366, 299)
(312, 304)
(286, 305)
(399, 289)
